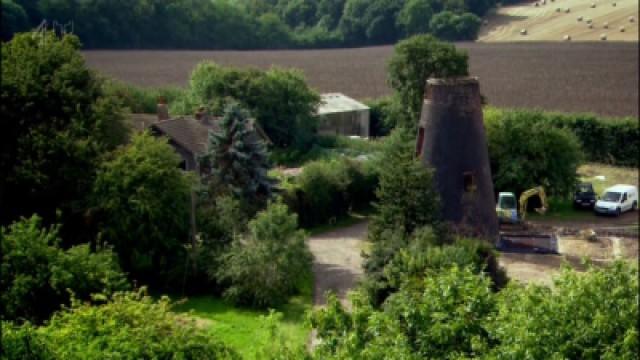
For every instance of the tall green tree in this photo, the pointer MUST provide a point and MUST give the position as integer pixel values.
(143, 199)
(37, 275)
(236, 161)
(414, 61)
(56, 125)
(415, 16)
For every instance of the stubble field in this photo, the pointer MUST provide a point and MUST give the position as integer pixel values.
(573, 77)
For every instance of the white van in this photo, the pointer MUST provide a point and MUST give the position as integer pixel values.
(617, 199)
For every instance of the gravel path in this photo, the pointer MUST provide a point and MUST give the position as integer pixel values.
(337, 265)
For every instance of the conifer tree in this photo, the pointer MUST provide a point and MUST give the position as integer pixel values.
(236, 161)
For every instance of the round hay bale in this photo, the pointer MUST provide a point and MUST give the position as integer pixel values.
(579, 18)
(558, 10)
(614, 4)
(536, 4)
(621, 28)
(603, 36)
(567, 38)
(593, 5)
(605, 25)
(589, 21)
(590, 26)
(632, 19)
(567, 10)
(523, 32)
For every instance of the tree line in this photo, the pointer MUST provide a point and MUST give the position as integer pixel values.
(248, 24)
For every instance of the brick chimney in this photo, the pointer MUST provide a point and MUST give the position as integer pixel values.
(162, 109)
(201, 115)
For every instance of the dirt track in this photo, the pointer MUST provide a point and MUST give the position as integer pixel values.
(337, 265)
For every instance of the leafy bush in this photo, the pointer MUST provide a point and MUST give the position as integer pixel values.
(406, 196)
(447, 25)
(268, 265)
(327, 190)
(525, 152)
(144, 198)
(583, 316)
(614, 141)
(415, 60)
(140, 99)
(281, 101)
(452, 313)
(37, 275)
(127, 326)
(443, 320)
(57, 125)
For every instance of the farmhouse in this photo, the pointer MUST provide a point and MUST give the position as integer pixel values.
(188, 135)
(341, 115)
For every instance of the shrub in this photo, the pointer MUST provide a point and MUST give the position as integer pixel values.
(415, 60)
(144, 198)
(406, 196)
(444, 320)
(140, 99)
(37, 276)
(280, 100)
(328, 190)
(127, 326)
(525, 152)
(447, 25)
(613, 141)
(583, 316)
(268, 265)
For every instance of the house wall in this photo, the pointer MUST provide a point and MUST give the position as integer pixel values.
(345, 123)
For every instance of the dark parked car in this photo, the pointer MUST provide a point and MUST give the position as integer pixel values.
(584, 196)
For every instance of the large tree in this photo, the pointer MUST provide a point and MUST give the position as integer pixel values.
(56, 125)
(236, 161)
(144, 201)
(414, 61)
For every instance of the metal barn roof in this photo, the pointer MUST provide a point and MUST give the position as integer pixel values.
(332, 103)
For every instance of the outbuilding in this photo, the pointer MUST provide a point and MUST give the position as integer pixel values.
(339, 114)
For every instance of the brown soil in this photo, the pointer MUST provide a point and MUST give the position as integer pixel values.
(575, 77)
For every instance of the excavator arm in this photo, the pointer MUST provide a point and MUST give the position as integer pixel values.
(524, 198)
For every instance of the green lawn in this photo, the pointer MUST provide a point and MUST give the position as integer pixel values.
(246, 329)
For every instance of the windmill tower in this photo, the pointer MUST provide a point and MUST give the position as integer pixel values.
(451, 139)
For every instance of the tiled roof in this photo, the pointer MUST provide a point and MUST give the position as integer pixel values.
(188, 132)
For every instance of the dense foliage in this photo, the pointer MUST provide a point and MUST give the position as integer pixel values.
(328, 190)
(413, 62)
(128, 326)
(236, 160)
(143, 198)
(407, 199)
(56, 125)
(38, 276)
(613, 141)
(268, 265)
(280, 100)
(450, 312)
(525, 152)
(254, 23)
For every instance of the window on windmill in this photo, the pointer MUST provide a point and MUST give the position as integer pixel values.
(469, 182)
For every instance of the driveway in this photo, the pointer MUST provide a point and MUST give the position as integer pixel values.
(337, 265)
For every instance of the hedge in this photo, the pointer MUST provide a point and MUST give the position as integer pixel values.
(328, 190)
(613, 141)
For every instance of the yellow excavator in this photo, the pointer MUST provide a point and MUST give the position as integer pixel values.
(507, 207)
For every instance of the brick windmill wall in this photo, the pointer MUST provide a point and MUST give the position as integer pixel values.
(451, 139)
